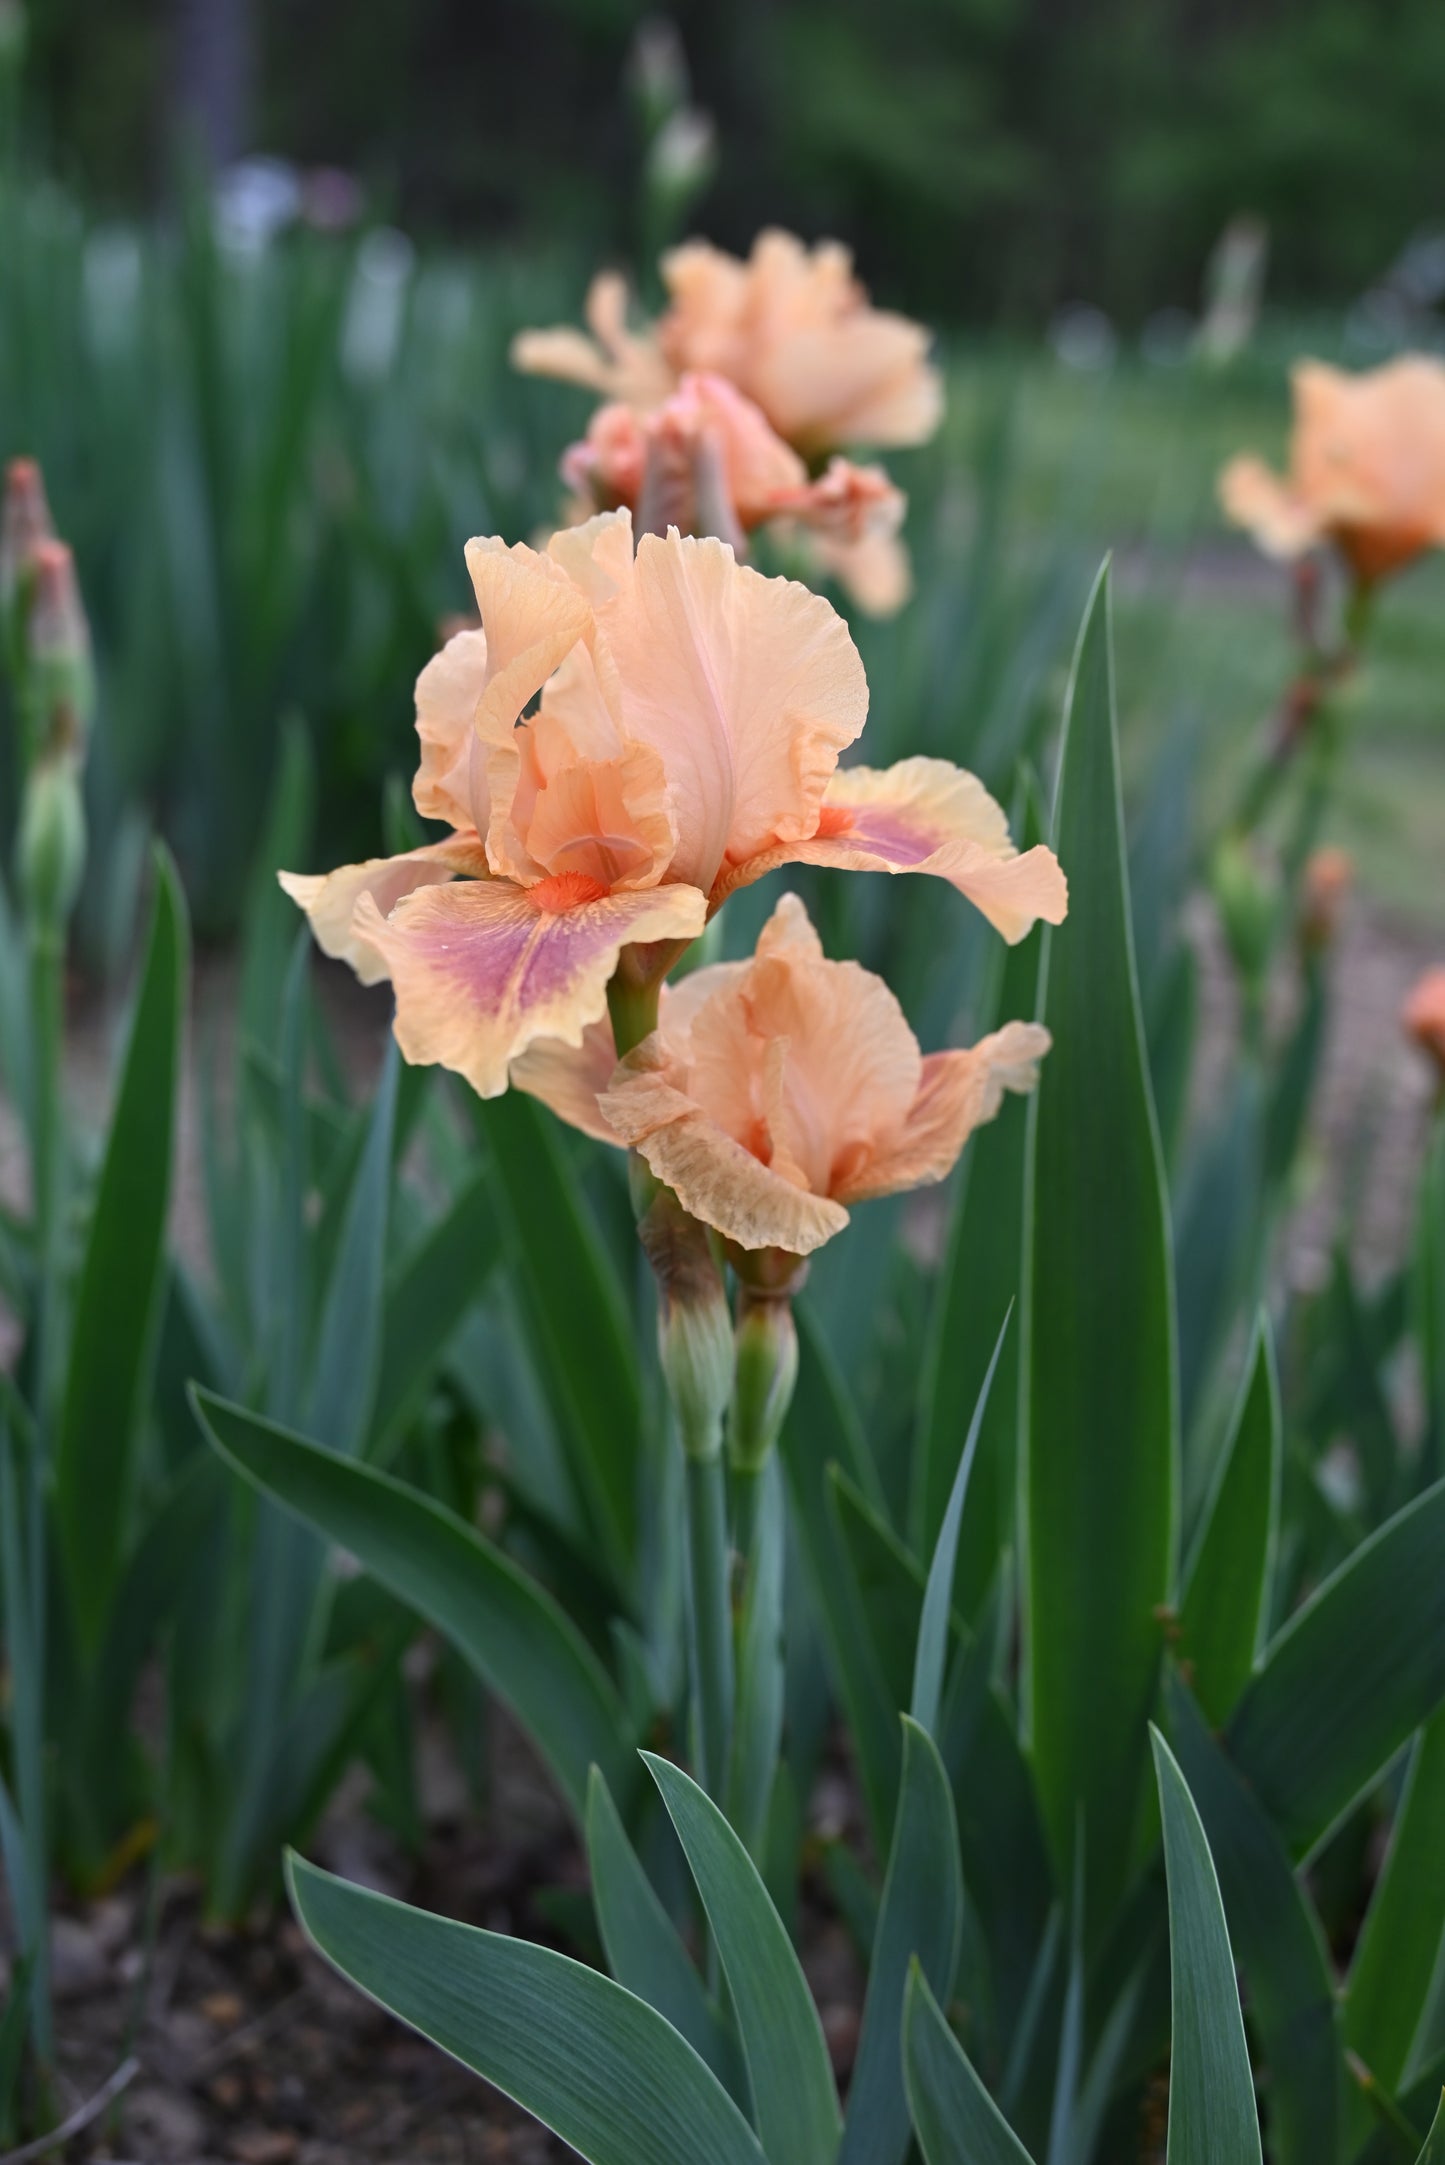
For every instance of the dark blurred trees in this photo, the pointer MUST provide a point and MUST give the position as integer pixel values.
(985, 156)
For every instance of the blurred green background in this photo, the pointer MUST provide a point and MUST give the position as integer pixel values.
(983, 155)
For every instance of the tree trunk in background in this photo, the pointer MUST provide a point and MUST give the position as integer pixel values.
(214, 59)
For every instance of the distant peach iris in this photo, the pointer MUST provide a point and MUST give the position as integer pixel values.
(689, 717)
(775, 1092)
(1367, 469)
(1424, 1016)
(791, 327)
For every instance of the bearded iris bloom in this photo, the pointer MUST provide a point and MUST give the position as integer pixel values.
(628, 739)
(777, 1091)
(1366, 469)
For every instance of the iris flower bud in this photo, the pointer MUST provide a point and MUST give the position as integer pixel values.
(694, 1329)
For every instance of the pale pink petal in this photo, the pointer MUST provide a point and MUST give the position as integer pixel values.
(714, 1178)
(924, 815)
(451, 780)
(957, 1092)
(330, 898)
(748, 688)
(484, 970)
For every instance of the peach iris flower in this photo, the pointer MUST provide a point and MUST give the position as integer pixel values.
(777, 1091)
(1423, 1015)
(707, 461)
(1366, 471)
(791, 327)
(689, 717)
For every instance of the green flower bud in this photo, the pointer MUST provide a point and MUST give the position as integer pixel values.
(59, 680)
(694, 1329)
(51, 852)
(1248, 902)
(765, 1373)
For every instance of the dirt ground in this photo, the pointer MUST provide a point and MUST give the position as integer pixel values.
(248, 2049)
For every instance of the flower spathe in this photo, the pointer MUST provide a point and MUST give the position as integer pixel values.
(791, 327)
(688, 718)
(775, 1092)
(1366, 468)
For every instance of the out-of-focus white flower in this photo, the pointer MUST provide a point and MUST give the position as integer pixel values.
(255, 199)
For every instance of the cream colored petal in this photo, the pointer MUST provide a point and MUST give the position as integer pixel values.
(330, 898)
(483, 971)
(924, 815)
(958, 1092)
(1268, 508)
(450, 782)
(748, 688)
(714, 1178)
(569, 1078)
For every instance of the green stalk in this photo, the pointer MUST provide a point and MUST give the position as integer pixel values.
(47, 1150)
(710, 1618)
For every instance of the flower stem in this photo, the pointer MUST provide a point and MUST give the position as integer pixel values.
(711, 1618)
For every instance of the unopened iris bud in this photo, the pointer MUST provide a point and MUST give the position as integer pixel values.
(764, 1376)
(694, 1329)
(1328, 878)
(60, 683)
(25, 525)
(1247, 904)
(51, 850)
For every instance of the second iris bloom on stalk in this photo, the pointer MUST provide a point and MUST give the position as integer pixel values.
(689, 714)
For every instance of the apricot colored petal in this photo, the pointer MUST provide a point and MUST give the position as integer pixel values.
(330, 898)
(875, 571)
(714, 1178)
(532, 616)
(748, 688)
(1268, 508)
(568, 1079)
(567, 355)
(924, 815)
(959, 1092)
(451, 782)
(615, 361)
(481, 972)
(865, 379)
